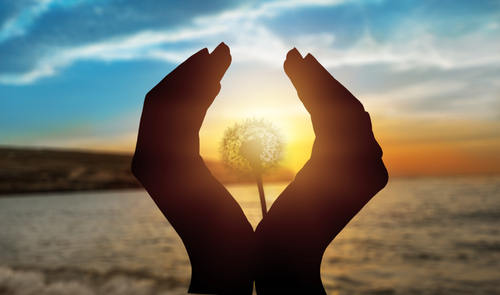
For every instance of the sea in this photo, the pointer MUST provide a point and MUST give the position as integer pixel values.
(425, 235)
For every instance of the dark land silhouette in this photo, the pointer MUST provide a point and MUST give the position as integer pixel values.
(35, 170)
(24, 170)
(283, 255)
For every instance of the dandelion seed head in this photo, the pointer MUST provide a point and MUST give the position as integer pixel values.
(254, 144)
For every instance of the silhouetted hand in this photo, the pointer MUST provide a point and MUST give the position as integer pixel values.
(214, 229)
(344, 172)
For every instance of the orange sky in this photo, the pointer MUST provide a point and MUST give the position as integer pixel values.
(440, 148)
(412, 146)
(408, 155)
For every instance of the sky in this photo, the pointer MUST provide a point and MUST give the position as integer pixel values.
(74, 73)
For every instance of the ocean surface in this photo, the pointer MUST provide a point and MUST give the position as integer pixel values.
(417, 236)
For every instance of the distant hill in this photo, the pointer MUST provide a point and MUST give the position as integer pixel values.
(47, 170)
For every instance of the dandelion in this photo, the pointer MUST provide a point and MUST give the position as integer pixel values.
(250, 149)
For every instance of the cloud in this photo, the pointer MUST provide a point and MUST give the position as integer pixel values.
(420, 52)
(144, 45)
(32, 33)
(16, 25)
(253, 37)
(21, 22)
(429, 94)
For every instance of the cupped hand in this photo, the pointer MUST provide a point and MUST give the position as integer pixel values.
(213, 227)
(344, 172)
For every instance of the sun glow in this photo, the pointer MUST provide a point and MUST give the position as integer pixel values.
(259, 93)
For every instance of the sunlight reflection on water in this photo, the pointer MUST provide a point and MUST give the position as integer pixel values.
(417, 236)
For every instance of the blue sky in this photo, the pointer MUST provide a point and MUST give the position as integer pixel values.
(74, 73)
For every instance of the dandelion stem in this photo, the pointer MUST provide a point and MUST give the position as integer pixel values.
(258, 178)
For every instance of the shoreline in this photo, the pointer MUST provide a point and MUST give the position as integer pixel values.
(44, 170)
(27, 170)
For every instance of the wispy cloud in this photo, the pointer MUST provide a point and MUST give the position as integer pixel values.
(421, 51)
(253, 40)
(21, 22)
(144, 45)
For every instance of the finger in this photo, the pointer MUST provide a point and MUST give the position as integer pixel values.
(315, 86)
(325, 81)
(193, 62)
(190, 65)
(308, 90)
(220, 59)
(293, 68)
(305, 80)
(211, 72)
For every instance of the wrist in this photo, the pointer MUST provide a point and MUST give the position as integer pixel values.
(221, 272)
(291, 279)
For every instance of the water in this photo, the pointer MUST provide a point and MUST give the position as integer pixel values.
(418, 236)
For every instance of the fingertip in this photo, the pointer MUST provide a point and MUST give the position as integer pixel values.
(189, 64)
(315, 67)
(310, 58)
(220, 59)
(195, 58)
(222, 48)
(203, 51)
(321, 75)
(293, 55)
(221, 54)
(292, 61)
